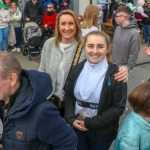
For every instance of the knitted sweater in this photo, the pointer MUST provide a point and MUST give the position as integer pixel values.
(16, 18)
(51, 58)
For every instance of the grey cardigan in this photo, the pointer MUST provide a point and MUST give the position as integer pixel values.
(51, 58)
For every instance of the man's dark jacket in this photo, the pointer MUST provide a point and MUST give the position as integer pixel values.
(32, 122)
(146, 21)
(111, 105)
(33, 11)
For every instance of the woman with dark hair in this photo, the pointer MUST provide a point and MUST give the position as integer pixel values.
(7, 2)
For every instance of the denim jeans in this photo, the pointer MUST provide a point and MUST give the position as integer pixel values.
(18, 36)
(105, 11)
(146, 30)
(86, 141)
(4, 38)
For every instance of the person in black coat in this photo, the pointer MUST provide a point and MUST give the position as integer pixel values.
(33, 11)
(94, 100)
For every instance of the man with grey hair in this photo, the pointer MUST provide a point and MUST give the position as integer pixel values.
(30, 121)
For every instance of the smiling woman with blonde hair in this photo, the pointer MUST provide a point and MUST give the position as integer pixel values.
(94, 100)
(59, 52)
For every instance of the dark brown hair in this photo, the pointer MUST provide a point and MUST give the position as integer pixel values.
(139, 99)
(125, 10)
(5, 2)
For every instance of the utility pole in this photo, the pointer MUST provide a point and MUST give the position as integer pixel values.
(90, 1)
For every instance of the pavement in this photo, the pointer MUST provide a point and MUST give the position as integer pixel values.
(139, 75)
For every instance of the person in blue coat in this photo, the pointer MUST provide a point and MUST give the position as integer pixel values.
(46, 2)
(63, 4)
(135, 131)
(31, 122)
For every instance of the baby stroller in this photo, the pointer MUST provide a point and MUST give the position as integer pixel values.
(32, 38)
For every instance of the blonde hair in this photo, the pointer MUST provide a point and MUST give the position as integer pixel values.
(90, 17)
(51, 5)
(106, 38)
(58, 36)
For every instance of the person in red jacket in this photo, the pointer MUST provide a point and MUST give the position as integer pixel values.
(49, 20)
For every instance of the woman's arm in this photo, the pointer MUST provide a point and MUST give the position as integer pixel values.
(43, 59)
(18, 16)
(69, 99)
(7, 17)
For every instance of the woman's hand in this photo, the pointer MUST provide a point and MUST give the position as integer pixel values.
(80, 125)
(45, 26)
(27, 19)
(122, 75)
(65, 4)
(1, 146)
(147, 50)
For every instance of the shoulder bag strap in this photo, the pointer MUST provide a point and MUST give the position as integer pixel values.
(75, 60)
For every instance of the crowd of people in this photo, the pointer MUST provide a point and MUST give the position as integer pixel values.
(12, 19)
(140, 13)
(75, 99)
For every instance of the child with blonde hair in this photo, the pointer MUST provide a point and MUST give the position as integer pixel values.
(90, 20)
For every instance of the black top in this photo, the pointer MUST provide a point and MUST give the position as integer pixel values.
(111, 106)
